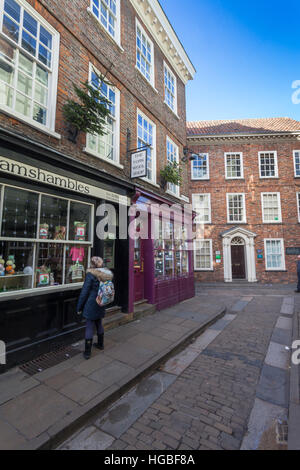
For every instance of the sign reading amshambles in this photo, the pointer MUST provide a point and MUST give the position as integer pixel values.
(44, 176)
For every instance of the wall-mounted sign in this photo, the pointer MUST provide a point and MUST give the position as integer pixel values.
(260, 257)
(293, 251)
(23, 170)
(138, 164)
(259, 251)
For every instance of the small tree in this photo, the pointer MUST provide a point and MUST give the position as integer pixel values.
(171, 174)
(89, 114)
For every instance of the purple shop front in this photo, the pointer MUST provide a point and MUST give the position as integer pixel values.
(161, 267)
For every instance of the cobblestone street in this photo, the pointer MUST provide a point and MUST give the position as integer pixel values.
(222, 392)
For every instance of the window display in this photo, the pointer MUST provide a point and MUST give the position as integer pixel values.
(76, 263)
(16, 266)
(109, 254)
(170, 254)
(46, 223)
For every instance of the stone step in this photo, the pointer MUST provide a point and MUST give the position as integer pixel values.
(143, 309)
(113, 320)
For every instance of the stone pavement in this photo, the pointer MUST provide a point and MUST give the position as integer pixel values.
(39, 411)
(227, 390)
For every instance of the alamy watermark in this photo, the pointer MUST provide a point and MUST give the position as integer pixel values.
(2, 353)
(296, 94)
(296, 353)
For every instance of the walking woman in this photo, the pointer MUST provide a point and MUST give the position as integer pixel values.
(87, 304)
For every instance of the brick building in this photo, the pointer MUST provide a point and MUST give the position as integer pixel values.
(51, 187)
(246, 192)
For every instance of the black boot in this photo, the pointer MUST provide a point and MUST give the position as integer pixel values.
(100, 344)
(88, 348)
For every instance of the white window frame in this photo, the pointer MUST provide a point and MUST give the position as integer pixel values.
(196, 248)
(117, 37)
(53, 71)
(35, 241)
(169, 190)
(275, 160)
(283, 267)
(152, 65)
(298, 205)
(204, 178)
(279, 221)
(194, 205)
(295, 168)
(153, 148)
(244, 221)
(116, 154)
(167, 68)
(227, 154)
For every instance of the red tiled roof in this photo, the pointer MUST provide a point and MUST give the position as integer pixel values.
(243, 126)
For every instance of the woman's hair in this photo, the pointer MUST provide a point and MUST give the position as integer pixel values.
(96, 262)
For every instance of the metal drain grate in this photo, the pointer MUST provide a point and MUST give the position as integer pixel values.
(50, 359)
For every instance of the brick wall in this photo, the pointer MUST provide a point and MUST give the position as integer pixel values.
(252, 186)
(83, 40)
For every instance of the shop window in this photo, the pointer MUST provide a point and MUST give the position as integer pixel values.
(80, 215)
(170, 252)
(45, 240)
(19, 214)
(53, 218)
(28, 64)
(76, 263)
(16, 266)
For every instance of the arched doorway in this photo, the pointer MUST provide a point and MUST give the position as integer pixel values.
(239, 255)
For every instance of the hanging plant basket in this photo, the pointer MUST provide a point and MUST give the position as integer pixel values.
(89, 113)
(170, 174)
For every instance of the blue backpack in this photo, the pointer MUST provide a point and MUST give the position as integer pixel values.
(106, 293)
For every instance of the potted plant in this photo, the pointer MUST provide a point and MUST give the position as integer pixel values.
(89, 113)
(171, 173)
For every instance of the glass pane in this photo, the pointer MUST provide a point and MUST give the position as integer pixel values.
(159, 263)
(24, 84)
(169, 263)
(109, 254)
(13, 9)
(10, 28)
(53, 218)
(6, 63)
(80, 222)
(23, 105)
(76, 263)
(6, 95)
(177, 263)
(185, 262)
(26, 64)
(45, 37)
(16, 266)
(49, 265)
(42, 75)
(41, 94)
(39, 114)
(20, 210)
(28, 43)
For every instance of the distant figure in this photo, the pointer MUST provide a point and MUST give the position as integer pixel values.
(298, 272)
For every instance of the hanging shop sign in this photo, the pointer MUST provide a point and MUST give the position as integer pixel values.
(23, 170)
(138, 164)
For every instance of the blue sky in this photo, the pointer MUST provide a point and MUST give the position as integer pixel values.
(247, 55)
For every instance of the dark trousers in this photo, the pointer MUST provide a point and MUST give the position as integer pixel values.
(298, 286)
(90, 326)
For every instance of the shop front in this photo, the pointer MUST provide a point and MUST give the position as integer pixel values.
(48, 221)
(162, 263)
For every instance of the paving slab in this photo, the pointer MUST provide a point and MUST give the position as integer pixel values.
(221, 324)
(205, 339)
(10, 438)
(261, 419)
(281, 336)
(176, 365)
(36, 410)
(15, 383)
(130, 354)
(127, 410)
(284, 323)
(89, 439)
(93, 364)
(150, 342)
(273, 386)
(278, 356)
(62, 379)
(82, 390)
(111, 373)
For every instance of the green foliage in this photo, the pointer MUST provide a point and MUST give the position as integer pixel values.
(89, 114)
(171, 174)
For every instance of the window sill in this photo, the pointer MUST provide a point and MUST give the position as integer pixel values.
(172, 111)
(200, 179)
(235, 178)
(17, 295)
(170, 193)
(150, 182)
(204, 270)
(106, 160)
(269, 177)
(31, 123)
(276, 271)
(145, 79)
(116, 43)
(185, 199)
(273, 223)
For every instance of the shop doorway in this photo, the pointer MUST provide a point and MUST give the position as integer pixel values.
(139, 271)
(238, 261)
